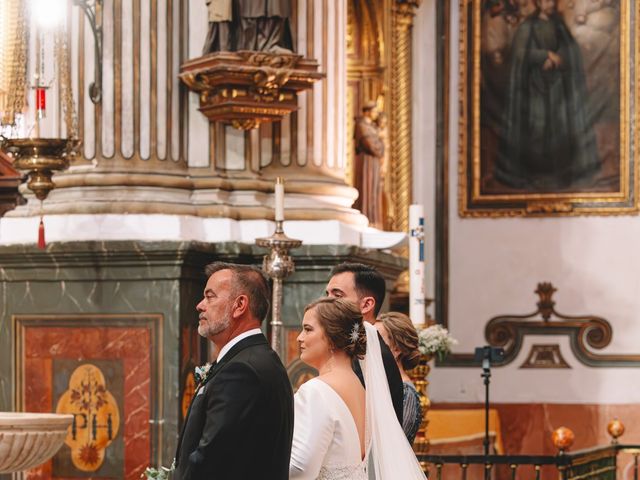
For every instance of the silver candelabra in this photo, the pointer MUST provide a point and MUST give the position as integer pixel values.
(278, 264)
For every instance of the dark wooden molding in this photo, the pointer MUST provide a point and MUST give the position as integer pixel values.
(545, 356)
(443, 11)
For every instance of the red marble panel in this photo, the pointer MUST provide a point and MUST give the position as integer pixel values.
(38, 384)
(38, 391)
(130, 345)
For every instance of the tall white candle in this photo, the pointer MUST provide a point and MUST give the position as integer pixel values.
(416, 264)
(279, 191)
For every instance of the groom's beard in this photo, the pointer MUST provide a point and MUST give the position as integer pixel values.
(211, 328)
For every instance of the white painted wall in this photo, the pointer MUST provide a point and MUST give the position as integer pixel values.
(495, 265)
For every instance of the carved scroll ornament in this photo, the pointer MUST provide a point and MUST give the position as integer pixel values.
(586, 333)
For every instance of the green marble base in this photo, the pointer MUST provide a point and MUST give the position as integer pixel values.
(102, 288)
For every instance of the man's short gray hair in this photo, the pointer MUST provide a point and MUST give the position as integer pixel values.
(248, 280)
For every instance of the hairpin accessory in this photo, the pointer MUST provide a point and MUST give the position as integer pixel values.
(355, 333)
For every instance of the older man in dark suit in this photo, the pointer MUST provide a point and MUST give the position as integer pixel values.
(240, 422)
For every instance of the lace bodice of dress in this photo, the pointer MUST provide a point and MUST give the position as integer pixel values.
(355, 472)
(326, 445)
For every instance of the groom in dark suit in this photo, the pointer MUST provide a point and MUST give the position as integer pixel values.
(365, 286)
(240, 422)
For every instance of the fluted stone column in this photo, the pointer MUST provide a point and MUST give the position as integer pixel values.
(147, 149)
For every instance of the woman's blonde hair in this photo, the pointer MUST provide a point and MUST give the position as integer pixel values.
(403, 336)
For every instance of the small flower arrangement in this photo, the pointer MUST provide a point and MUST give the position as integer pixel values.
(202, 373)
(435, 340)
(161, 473)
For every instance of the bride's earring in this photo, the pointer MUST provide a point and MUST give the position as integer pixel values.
(330, 360)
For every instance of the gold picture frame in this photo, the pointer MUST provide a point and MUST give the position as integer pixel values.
(614, 179)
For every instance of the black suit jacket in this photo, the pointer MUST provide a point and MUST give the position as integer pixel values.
(393, 377)
(241, 425)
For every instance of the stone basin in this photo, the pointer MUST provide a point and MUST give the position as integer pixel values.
(29, 439)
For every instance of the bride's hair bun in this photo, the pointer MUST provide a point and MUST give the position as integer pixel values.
(357, 341)
(342, 323)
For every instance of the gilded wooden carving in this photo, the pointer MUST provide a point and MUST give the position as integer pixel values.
(379, 59)
(246, 89)
(367, 25)
(400, 118)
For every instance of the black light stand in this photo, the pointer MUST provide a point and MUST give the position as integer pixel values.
(486, 375)
(487, 355)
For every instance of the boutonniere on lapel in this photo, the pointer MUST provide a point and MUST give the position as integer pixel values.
(202, 373)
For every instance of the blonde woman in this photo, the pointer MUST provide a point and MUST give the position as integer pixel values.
(400, 335)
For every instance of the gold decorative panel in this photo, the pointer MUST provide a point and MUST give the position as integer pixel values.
(96, 416)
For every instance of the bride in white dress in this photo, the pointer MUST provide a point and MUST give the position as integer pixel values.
(337, 425)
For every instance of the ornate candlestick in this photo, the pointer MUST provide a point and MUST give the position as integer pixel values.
(278, 265)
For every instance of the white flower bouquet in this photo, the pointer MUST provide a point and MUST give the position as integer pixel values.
(435, 340)
(162, 473)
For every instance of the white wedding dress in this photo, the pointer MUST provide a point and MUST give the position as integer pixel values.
(326, 444)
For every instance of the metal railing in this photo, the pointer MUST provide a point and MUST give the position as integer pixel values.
(600, 463)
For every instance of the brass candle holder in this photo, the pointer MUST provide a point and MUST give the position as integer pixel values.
(40, 158)
(278, 264)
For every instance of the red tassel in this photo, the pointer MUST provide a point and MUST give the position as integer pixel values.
(41, 243)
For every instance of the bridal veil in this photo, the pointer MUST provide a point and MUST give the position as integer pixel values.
(393, 457)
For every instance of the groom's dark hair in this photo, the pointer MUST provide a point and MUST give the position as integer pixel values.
(368, 281)
(248, 280)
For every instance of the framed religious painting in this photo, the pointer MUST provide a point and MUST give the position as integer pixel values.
(548, 102)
